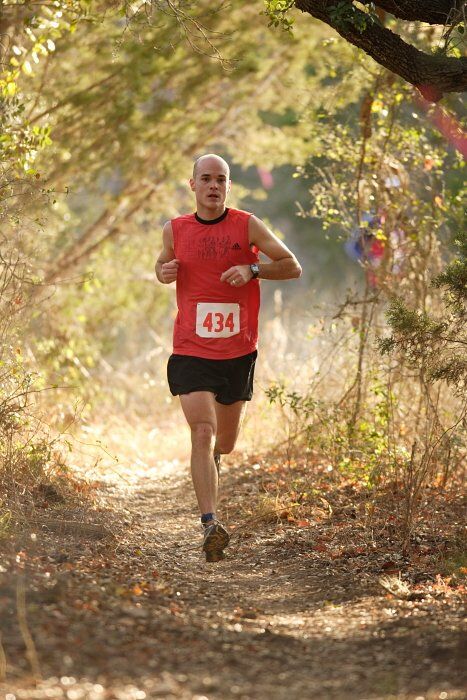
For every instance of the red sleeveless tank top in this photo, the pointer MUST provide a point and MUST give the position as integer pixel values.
(215, 320)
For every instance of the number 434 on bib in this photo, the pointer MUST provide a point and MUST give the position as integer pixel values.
(217, 320)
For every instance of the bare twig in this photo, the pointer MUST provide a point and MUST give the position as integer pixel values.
(2, 660)
(31, 653)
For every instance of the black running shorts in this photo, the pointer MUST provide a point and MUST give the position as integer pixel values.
(229, 380)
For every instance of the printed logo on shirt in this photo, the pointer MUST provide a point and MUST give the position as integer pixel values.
(236, 246)
(213, 248)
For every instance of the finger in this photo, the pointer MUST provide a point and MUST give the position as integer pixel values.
(228, 274)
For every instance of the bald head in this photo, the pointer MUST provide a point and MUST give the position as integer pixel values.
(208, 161)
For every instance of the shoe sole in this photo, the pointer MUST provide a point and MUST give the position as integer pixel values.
(215, 543)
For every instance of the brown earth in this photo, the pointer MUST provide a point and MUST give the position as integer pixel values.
(127, 608)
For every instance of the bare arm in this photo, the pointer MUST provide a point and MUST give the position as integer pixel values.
(167, 263)
(283, 266)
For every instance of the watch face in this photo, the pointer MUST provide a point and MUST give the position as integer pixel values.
(255, 270)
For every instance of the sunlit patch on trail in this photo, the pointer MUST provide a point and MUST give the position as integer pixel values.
(119, 452)
(138, 471)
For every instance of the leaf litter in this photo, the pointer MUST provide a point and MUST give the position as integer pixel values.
(315, 598)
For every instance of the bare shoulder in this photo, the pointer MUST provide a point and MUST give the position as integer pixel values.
(256, 228)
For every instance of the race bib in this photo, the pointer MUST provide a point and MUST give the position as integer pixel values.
(217, 320)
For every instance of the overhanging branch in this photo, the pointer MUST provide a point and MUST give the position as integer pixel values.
(433, 75)
(430, 11)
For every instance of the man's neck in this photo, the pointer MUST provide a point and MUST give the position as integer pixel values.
(210, 214)
(212, 222)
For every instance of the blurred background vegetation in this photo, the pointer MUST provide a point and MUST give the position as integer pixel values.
(105, 105)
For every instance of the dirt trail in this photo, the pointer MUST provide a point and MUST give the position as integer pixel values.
(141, 615)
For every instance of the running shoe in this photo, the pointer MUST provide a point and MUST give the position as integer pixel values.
(216, 539)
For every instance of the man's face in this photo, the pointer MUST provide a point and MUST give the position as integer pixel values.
(211, 183)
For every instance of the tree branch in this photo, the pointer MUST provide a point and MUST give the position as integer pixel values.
(430, 11)
(74, 95)
(433, 75)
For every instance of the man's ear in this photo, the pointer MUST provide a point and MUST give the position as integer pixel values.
(192, 184)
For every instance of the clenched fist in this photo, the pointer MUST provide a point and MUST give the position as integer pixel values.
(169, 271)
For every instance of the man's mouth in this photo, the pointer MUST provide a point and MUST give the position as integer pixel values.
(213, 196)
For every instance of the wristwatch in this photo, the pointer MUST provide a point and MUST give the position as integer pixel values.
(254, 270)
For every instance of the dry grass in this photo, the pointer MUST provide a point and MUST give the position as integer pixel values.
(270, 509)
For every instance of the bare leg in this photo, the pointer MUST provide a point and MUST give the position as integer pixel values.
(200, 413)
(229, 420)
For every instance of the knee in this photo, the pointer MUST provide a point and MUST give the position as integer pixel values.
(202, 434)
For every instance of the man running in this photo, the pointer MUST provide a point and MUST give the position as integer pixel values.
(212, 255)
